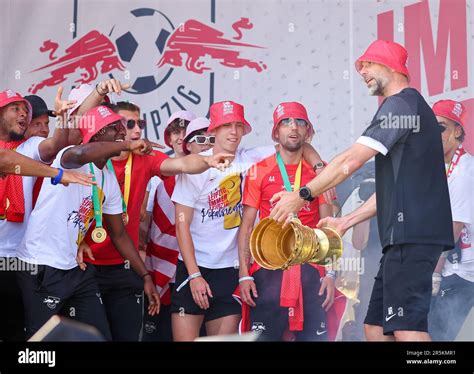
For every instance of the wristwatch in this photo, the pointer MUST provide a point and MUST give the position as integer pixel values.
(305, 194)
(318, 166)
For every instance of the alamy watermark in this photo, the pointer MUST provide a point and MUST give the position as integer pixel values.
(400, 121)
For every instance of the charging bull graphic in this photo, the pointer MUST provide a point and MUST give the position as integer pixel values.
(195, 40)
(96, 54)
(91, 54)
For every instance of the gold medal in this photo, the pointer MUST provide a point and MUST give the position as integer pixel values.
(125, 218)
(99, 235)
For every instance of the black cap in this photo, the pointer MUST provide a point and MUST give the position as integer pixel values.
(39, 106)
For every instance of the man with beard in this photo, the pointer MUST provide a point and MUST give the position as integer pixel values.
(62, 219)
(16, 194)
(306, 290)
(414, 217)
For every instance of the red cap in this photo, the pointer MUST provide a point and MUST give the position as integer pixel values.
(9, 96)
(453, 110)
(289, 110)
(390, 54)
(226, 112)
(94, 120)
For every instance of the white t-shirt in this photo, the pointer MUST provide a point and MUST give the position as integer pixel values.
(461, 191)
(217, 201)
(62, 216)
(11, 233)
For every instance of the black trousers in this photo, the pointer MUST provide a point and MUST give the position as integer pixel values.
(73, 293)
(12, 321)
(450, 308)
(122, 293)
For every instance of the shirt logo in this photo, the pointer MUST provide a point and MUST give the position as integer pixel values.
(271, 179)
(51, 301)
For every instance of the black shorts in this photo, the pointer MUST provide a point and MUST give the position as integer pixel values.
(222, 283)
(72, 293)
(402, 290)
(271, 319)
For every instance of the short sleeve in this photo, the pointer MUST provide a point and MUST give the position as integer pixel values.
(252, 191)
(257, 154)
(460, 194)
(156, 159)
(394, 120)
(187, 189)
(32, 149)
(152, 188)
(113, 195)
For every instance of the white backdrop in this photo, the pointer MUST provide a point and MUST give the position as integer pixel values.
(309, 49)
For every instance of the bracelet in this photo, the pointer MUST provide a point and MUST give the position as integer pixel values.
(186, 281)
(194, 275)
(245, 279)
(97, 89)
(144, 275)
(58, 177)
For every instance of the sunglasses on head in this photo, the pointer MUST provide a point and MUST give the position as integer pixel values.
(131, 123)
(297, 121)
(442, 127)
(203, 139)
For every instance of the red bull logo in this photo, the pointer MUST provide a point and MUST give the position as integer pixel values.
(92, 54)
(195, 40)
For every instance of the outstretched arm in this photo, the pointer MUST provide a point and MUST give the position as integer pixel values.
(79, 155)
(194, 164)
(17, 164)
(338, 170)
(361, 214)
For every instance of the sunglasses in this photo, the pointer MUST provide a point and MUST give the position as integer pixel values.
(203, 139)
(442, 127)
(116, 126)
(297, 121)
(140, 122)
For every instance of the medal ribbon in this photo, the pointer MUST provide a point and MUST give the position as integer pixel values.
(284, 174)
(95, 198)
(128, 178)
(455, 160)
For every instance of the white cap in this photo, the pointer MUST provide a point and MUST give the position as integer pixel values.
(197, 124)
(80, 94)
(182, 114)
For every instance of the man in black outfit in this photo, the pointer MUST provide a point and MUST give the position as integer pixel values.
(411, 199)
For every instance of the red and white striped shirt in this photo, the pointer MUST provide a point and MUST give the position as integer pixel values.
(162, 249)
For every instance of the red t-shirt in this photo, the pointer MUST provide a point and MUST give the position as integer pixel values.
(265, 180)
(143, 168)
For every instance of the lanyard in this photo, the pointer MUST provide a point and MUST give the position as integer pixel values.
(128, 178)
(284, 174)
(95, 198)
(455, 160)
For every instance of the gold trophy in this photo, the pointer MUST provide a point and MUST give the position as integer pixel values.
(278, 248)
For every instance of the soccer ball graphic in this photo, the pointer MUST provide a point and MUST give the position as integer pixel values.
(140, 39)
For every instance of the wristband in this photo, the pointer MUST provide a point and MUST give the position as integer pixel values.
(186, 281)
(245, 278)
(331, 274)
(144, 275)
(58, 177)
